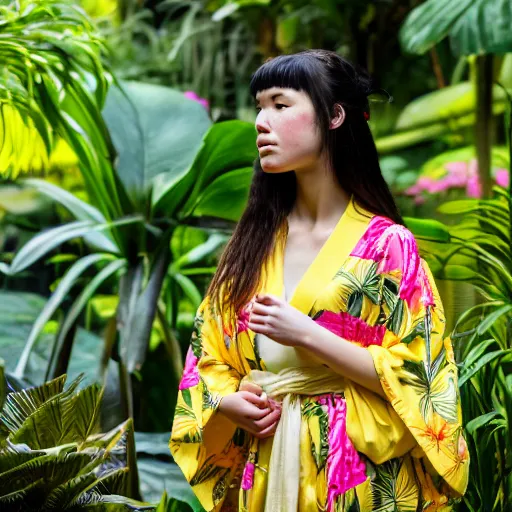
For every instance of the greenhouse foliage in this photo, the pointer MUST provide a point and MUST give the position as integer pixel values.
(120, 186)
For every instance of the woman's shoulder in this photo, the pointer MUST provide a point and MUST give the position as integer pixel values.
(383, 236)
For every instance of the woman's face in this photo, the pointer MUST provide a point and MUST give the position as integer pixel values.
(288, 135)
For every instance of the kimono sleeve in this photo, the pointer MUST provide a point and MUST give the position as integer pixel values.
(415, 362)
(208, 447)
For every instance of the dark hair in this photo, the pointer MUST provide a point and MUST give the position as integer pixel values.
(328, 79)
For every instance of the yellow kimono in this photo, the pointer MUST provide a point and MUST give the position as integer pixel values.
(354, 450)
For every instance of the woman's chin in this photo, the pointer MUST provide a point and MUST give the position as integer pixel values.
(272, 167)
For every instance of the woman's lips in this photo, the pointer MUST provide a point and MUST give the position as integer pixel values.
(267, 147)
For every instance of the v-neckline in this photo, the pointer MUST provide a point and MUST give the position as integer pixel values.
(339, 244)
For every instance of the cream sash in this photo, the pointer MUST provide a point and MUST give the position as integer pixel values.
(288, 386)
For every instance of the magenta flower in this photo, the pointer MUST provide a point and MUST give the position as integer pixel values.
(190, 376)
(242, 323)
(474, 188)
(345, 469)
(351, 328)
(394, 248)
(191, 95)
(243, 318)
(462, 175)
(502, 178)
(248, 476)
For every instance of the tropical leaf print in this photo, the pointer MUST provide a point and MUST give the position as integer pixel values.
(359, 283)
(417, 330)
(389, 294)
(196, 336)
(314, 413)
(209, 400)
(347, 502)
(395, 319)
(220, 487)
(437, 389)
(186, 426)
(394, 489)
(187, 397)
(207, 471)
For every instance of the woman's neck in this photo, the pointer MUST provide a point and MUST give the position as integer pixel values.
(320, 199)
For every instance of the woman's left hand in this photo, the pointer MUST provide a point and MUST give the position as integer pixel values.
(279, 320)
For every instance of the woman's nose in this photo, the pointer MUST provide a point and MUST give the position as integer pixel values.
(261, 123)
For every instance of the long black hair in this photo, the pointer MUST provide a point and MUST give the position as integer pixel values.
(328, 79)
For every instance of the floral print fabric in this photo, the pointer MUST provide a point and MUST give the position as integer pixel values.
(383, 298)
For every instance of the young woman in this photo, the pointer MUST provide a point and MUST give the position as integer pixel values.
(318, 377)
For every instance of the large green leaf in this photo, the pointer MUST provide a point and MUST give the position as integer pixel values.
(81, 302)
(66, 283)
(157, 132)
(199, 252)
(18, 314)
(67, 418)
(80, 209)
(22, 404)
(449, 105)
(88, 469)
(44, 242)
(228, 146)
(158, 473)
(137, 307)
(432, 115)
(474, 26)
(469, 372)
(428, 229)
(226, 197)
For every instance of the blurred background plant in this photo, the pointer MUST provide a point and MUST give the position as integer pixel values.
(120, 187)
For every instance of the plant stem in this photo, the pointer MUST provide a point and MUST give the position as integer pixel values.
(438, 70)
(125, 387)
(483, 139)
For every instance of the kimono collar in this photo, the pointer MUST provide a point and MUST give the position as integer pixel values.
(337, 248)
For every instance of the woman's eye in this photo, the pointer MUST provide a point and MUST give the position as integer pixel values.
(280, 106)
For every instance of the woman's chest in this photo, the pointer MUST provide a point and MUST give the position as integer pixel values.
(300, 253)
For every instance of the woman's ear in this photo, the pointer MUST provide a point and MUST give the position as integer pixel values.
(339, 117)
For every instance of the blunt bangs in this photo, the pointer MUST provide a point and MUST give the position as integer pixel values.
(285, 71)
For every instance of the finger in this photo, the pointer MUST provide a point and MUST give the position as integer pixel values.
(258, 401)
(259, 319)
(274, 404)
(251, 388)
(267, 298)
(256, 414)
(268, 432)
(260, 328)
(268, 420)
(261, 309)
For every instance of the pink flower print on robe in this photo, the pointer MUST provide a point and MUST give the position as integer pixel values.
(242, 323)
(394, 248)
(243, 317)
(190, 376)
(248, 476)
(345, 469)
(351, 328)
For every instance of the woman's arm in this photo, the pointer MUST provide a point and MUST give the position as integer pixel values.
(351, 361)
(287, 325)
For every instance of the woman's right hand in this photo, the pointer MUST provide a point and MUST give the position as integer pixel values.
(251, 410)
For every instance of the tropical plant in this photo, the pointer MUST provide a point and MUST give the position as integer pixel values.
(146, 169)
(472, 29)
(478, 250)
(52, 456)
